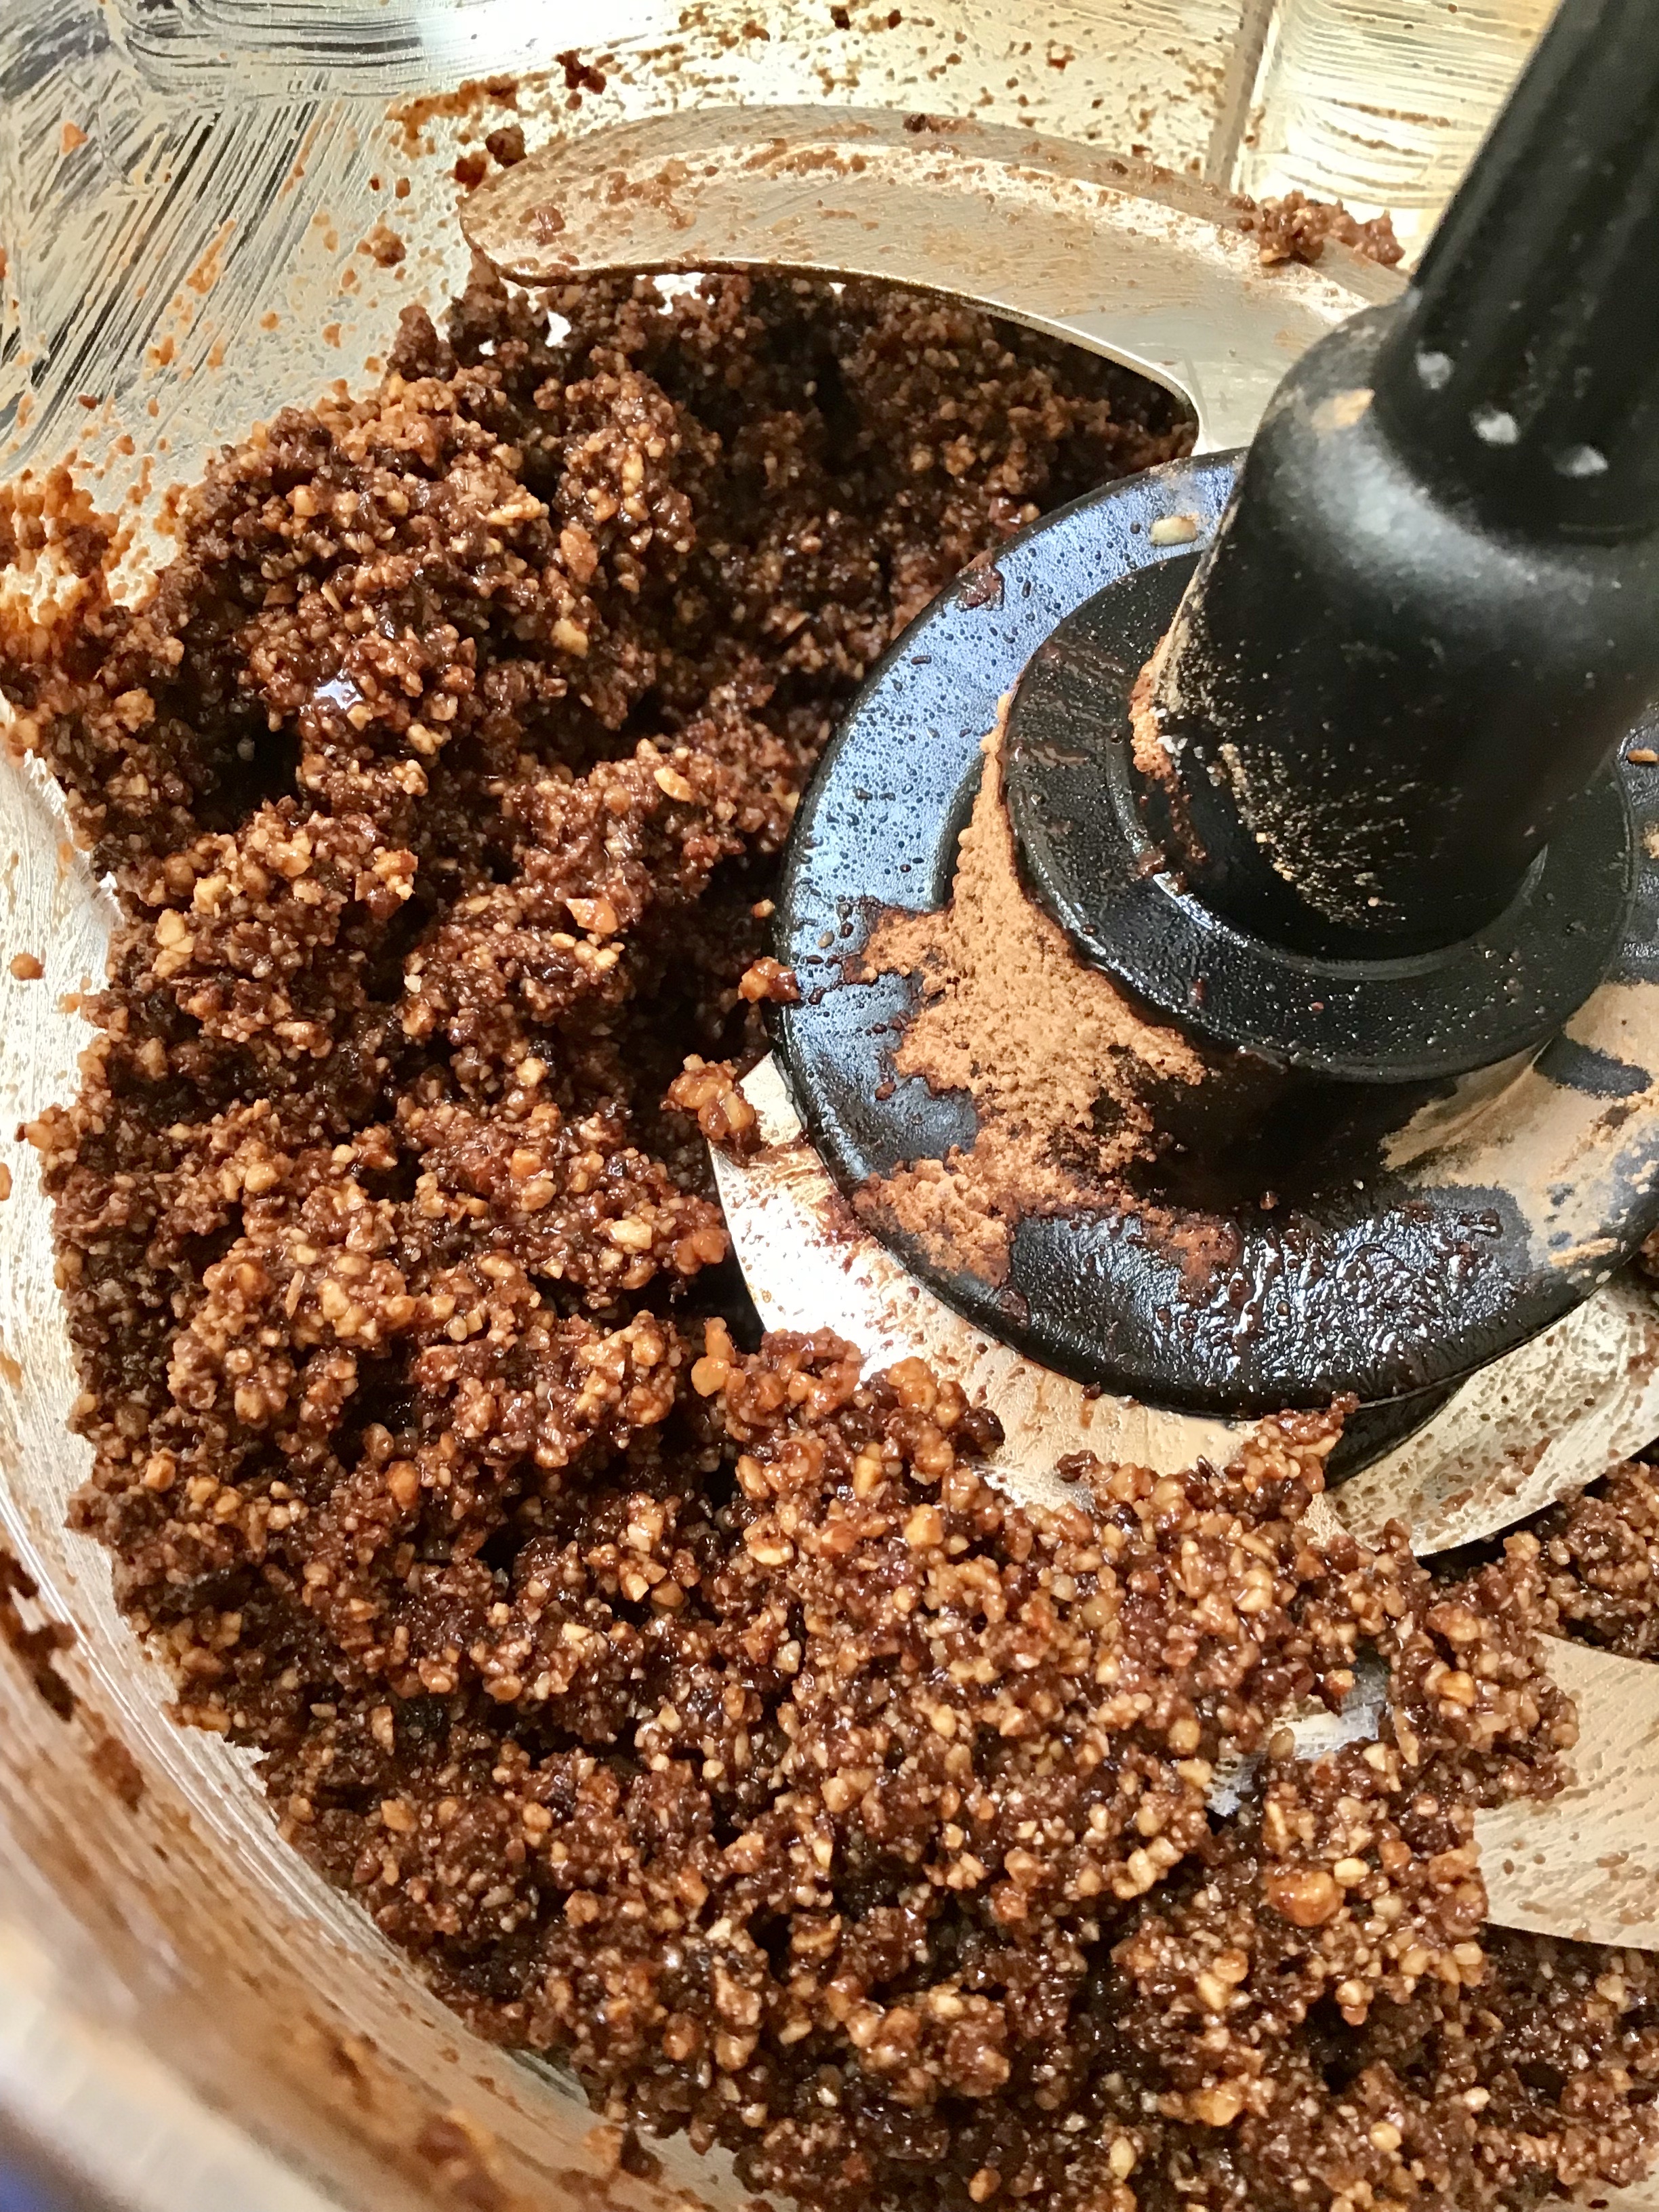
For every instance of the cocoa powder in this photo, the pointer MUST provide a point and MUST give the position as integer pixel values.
(1058, 1063)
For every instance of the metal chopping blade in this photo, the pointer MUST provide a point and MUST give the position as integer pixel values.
(1474, 1468)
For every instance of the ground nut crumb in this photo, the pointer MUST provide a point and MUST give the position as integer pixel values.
(724, 1115)
(768, 980)
(688, 1705)
(26, 968)
(1295, 229)
(1588, 1570)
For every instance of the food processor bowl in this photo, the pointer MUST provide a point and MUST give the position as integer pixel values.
(208, 210)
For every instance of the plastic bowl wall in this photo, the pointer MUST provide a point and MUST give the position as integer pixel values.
(188, 2018)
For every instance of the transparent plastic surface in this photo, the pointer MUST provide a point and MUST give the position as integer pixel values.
(186, 187)
(1380, 104)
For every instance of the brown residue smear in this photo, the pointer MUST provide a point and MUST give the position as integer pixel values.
(1146, 745)
(465, 103)
(462, 2153)
(1058, 1063)
(38, 1648)
(117, 1769)
(1152, 756)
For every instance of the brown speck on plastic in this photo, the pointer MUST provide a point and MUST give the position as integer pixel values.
(117, 1769)
(384, 245)
(37, 1646)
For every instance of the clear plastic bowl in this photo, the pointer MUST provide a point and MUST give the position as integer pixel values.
(188, 2017)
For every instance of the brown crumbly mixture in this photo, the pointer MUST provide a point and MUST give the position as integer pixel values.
(1295, 229)
(1597, 1559)
(701, 1715)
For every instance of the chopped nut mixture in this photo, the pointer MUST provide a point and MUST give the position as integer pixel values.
(693, 1711)
(1589, 1569)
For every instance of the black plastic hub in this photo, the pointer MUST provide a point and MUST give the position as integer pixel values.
(1080, 812)
(1380, 706)
(1387, 1281)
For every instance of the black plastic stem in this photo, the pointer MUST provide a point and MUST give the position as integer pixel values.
(1526, 369)
(1377, 704)
(1434, 606)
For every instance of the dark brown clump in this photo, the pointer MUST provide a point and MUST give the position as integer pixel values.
(38, 1646)
(1590, 1568)
(581, 75)
(507, 144)
(702, 1714)
(117, 1769)
(1297, 229)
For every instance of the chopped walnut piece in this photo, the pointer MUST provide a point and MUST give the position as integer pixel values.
(767, 979)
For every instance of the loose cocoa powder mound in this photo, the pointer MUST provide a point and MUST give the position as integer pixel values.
(1058, 1064)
